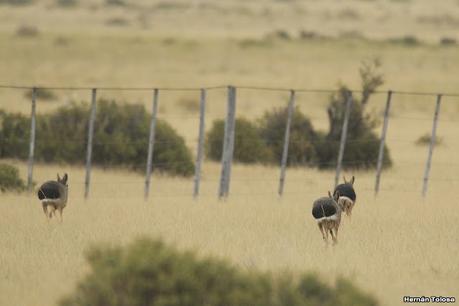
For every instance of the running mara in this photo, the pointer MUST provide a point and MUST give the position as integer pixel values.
(327, 213)
(346, 196)
(53, 196)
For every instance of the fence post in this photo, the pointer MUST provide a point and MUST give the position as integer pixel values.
(291, 107)
(32, 141)
(151, 142)
(231, 130)
(228, 143)
(431, 146)
(92, 118)
(383, 140)
(200, 150)
(343, 136)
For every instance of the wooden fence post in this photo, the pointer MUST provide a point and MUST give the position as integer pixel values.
(382, 142)
(291, 107)
(431, 146)
(228, 143)
(92, 118)
(343, 136)
(32, 141)
(200, 150)
(151, 142)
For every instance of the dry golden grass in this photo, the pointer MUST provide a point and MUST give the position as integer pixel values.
(395, 245)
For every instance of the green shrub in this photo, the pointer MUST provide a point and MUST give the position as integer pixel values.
(115, 3)
(147, 273)
(121, 135)
(362, 144)
(9, 179)
(66, 3)
(42, 94)
(14, 135)
(248, 145)
(16, 2)
(408, 40)
(425, 140)
(301, 148)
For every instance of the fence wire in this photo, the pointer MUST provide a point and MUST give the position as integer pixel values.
(214, 179)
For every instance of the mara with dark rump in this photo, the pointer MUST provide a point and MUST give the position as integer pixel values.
(53, 195)
(327, 213)
(346, 196)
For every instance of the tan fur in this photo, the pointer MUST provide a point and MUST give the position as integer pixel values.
(346, 204)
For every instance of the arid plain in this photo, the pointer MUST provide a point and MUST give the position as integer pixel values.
(396, 244)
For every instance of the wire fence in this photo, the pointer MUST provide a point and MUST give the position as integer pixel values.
(228, 145)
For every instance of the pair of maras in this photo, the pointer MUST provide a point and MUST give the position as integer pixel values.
(327, 210)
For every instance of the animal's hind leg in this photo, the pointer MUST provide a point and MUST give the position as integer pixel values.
(45, 209)
(60, 213)
(333, 235)
(51, 211)
(321, 227)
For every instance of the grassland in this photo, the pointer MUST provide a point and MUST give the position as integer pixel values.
(397, 244)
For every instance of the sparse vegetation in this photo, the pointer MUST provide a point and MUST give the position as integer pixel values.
(16, 2)
(66, 3)
(115, 3)
(117, 21)
(448, 41)
(10, 179)
(42, 94)
(27, 31)
(408, 41)
(152, 273)
(425, 140)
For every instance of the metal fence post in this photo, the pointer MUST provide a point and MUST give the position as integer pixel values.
(343, 136)
(231, 130)
(431, 146)
(383, 140)
(200, 150)
(92, 118)
(228, 143)
(291, 107)
(32, 141)
(151, 142)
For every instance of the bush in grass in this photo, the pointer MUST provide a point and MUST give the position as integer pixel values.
(14, 135)
(248, 145)
(16, 2)
(425, 140)
(66, 3)
(362, 146)
(120, 138)
(10, 180)
(301, 148)
(41, 94)
(149, 273)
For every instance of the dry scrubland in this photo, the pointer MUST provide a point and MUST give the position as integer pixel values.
(395, 245)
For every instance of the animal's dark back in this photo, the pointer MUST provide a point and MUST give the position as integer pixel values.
(346, 190)
(49, 190)
(324, 207)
